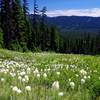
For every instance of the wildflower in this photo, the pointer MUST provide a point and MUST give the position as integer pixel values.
(19, 91)
(15, 89)
(95, 71)
(85, 77)
(60, 94)
(23, 80)
(83, 72)
(82, 81)
(26, 78)
(28, 70)
(38, 75)
(28, 88)
(69, 79)
(2, 79)
(48, 69)
(35, 71)
(13, 74)
(19, 77)
(72, 84)
(22, 73)
(55, 85)
(45, 75)
(88, 77)
(58, 73)
(76, 75)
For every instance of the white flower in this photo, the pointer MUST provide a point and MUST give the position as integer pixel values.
(60, 94)
(69, 79)
(23, 80)
(19, 91)
(45, 75)
(35, 71)
(95, 71)
(28, 69)
(72, 84)
(28, 88)
(15, 89)
(58, 73)
(13, 74)
(22, 73)
(48, 69)
(2, 79)
(82, 81)
(38, 75)
(19, 77)
(89, 77)
(26, 78)
(55, 85)
(77, 75)
(85, 77)
(83, 72)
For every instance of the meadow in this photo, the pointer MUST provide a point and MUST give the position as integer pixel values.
(49, 76)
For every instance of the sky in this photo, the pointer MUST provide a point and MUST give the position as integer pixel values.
(69, 7)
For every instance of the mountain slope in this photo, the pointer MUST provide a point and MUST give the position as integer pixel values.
(75, 23)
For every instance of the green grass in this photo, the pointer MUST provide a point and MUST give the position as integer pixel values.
(27, 69)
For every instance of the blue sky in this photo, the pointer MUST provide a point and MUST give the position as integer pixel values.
(61, 6)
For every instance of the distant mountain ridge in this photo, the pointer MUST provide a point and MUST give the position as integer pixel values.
(74, 23)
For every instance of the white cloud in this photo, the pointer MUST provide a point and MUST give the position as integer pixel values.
(95, 12)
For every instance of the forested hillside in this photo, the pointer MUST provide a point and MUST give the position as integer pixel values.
(75, 23)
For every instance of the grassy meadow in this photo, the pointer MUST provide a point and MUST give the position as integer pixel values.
(49, 76)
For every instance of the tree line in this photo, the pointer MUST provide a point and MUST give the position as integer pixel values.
(21, 33)
(79, 42)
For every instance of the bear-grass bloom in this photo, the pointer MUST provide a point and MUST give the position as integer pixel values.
(72, 84)
(83, 72)
(58, 73)
(60, 94)
(16, 89)
(2, 79)
(45, 75)
(28, 88)
(82, 81)
(55, 85)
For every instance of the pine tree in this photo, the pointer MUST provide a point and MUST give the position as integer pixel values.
(44, 30)
(53, 39)
(27, 23)
(35, 36)
(25, 8)
(20, 27)
(5, 12)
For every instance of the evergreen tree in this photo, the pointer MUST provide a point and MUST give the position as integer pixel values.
(27, 22)
(5, 14)
(43, 29)
(1, 38)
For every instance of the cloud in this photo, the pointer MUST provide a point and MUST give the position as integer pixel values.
(94, 12)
